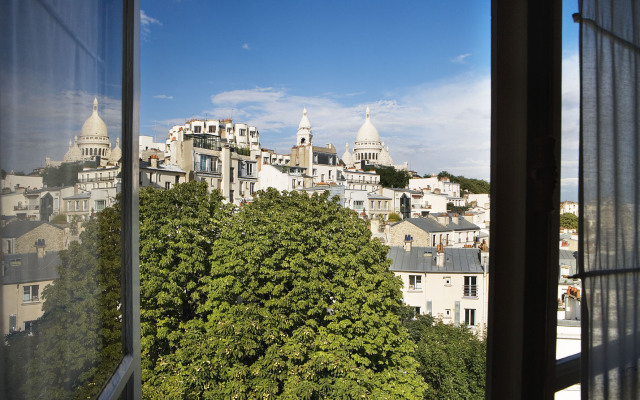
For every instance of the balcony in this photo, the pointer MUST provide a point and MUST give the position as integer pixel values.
(25, 208)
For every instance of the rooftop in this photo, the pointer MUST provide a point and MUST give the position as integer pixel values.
(456, 260)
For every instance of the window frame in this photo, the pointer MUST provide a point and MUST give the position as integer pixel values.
(526, 58)
(417, 282)
(126, 381)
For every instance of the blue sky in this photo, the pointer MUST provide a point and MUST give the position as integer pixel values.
(423, 67)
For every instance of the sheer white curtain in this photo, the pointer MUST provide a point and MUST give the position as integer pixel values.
(610, 198)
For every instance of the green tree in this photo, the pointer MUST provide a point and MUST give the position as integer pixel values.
(569, 221)
(177, 230)
(299, 303)
(456, 209)
(76, 344)
(467, 184)
(391, 177)
(452, 359)
(64, 175)
(394, 217)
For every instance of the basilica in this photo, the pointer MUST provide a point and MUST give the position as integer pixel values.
(368, 147)
(93, 144)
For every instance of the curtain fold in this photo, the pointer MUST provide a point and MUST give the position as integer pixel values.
(610, 198)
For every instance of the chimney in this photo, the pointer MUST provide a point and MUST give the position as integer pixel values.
(454, 218)
(40, 246)
(443, 219)
(440, 256)
(408, 240)
(153, 160)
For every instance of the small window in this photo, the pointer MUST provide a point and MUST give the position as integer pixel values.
(100, 205)
(469, 316)
(447, 313)
(30, 293)
(415, 282)
(470, 287)
(167, 185)
(447, 281)
(416, 311)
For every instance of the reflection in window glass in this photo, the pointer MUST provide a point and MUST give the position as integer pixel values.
(60, 127)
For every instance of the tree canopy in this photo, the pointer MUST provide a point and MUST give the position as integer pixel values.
(468, 184)
(569, 221)
(64, 175)
(391, 177)
(452, 359)
(291, 299)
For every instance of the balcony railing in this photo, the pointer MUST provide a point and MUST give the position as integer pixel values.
(470, 291)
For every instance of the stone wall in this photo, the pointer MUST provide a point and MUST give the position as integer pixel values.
(53, 236)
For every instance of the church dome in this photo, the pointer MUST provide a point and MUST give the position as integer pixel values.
(368, 132)
(94, 125)
(347, 158)
(74, 153)
(116, 153)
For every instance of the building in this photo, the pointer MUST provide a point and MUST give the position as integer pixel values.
(449, 283)
(449, 230)
(321, 163)
(24, 276)
(93, 144)
(368, 148)
(569, 207)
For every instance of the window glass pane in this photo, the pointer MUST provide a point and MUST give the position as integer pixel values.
(60, 129)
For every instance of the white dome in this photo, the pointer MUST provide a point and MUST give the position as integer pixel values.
(116, 153)
(347, 158)
(368, 132)
(94, 125)
(304, 121)
(74, 153)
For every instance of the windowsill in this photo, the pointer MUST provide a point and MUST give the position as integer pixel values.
(24, 303)
(414, 290)
(470, 297)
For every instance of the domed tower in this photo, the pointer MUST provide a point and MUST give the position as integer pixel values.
(94, 140)
(367, 146)
(347, 158)
(304, 135)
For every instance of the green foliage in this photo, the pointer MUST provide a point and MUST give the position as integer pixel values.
(390, 177)
(452, 359)
(468, 184)
(243, 151)
(59, 219)
(569, 221)
(394, 217)
(454, 209)
(64, 175)
(292, 300)
(177, 229)
(76, 344)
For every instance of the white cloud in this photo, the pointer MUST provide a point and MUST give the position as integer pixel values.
(163, 96)
(460, 59)
(145, 24)
(434, 126)
(246, 46)
(423, 125)
(44, 122)
(570, 125)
